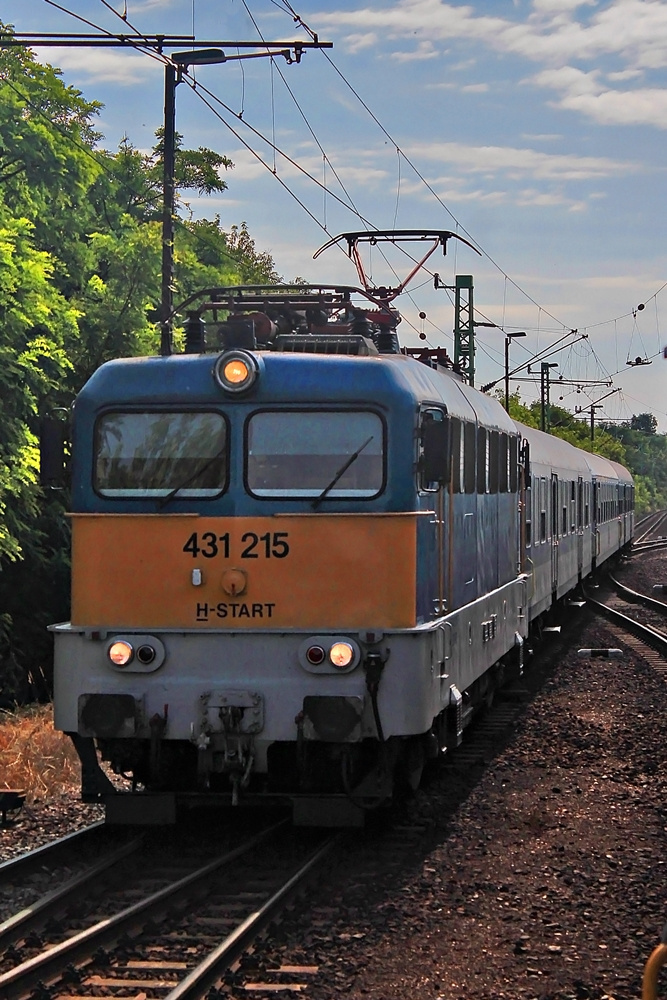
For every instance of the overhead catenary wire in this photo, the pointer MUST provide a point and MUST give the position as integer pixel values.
(193, 83)
(400, 154)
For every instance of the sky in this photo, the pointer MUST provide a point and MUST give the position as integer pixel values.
(536, 129)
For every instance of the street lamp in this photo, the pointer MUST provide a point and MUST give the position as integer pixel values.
(508, 338)
(173, 74)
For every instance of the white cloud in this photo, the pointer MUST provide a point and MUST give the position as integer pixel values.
(518, 162)
(557, 6)
(633, 30)
(425, 51)
(358, 42)
(583, 92)
(97, 65)
(541, 136)
(625, 74)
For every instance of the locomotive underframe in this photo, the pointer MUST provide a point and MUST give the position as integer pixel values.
(236, 714)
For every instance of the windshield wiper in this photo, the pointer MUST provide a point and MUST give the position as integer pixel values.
(341, 472)
(163, 501)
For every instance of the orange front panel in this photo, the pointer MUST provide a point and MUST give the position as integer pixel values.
(302, 571)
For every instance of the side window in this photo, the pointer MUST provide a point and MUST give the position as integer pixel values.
(456, 439)
(470, 457)
(482, 460)
(514, 464)
(493, 461)
(503, 463)
(434, 456)
(543, 509)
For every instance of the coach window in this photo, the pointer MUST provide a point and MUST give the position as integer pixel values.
(503, 463)
(543, 509)
(482, 460)
(493, 447)
(154, 454)
(529, 512)
(514, 464)
(456, 439)
(462, 457)
(470, 457)
(301, 453)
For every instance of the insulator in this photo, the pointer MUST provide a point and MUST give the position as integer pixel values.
(387, 341)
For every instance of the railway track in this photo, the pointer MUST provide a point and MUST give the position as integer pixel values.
(146, 925)
(646, 537)
(62, 850)
(135, 921)
(638, 620)
(647, 528)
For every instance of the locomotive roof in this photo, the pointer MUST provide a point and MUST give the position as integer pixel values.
(182, 379)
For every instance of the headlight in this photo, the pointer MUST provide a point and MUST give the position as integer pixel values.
(329, 654)
(120, 653)
(236, 371)
(341, 655)
(135, 654)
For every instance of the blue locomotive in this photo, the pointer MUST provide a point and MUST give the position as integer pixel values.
(301, 557)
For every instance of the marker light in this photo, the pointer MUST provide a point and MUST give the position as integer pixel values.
(235, 371)
(315, 655)
(120, 653)
(341, 655)
(146, 654)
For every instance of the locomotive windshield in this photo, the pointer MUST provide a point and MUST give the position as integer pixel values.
(154, 454)
(300, 453)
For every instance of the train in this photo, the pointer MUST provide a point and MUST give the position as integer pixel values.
(303, 557)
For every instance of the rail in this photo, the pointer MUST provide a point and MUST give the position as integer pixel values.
(68, 958)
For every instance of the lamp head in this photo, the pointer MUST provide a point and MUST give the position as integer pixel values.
(198, 57)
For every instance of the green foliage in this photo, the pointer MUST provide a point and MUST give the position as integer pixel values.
(80, 256)
(645, 422)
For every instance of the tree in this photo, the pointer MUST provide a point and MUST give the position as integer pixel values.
(80, 248)
(644, 422)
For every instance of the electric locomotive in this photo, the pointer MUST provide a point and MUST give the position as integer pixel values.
(301, 557)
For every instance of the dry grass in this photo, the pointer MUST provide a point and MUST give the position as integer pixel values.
(34, 756)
